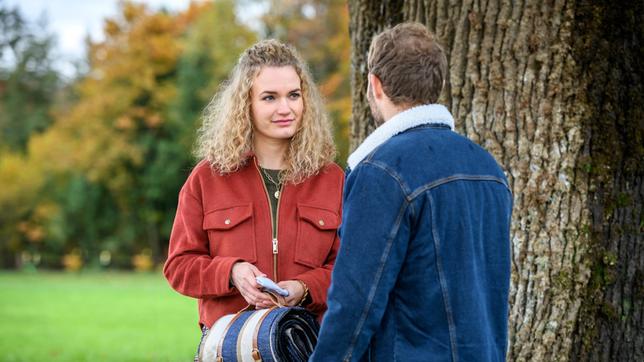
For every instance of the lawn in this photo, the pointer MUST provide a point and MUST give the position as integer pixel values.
(94, 317)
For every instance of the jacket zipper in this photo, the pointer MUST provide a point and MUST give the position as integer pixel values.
(277, 214)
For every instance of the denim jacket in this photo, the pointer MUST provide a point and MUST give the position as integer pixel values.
(423, 269)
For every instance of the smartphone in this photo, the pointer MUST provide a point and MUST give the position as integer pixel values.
(271, 286)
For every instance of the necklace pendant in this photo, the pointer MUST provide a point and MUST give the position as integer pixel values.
(277, 194)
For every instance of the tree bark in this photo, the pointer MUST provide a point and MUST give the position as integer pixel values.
(553, 89)
(609, 53)
(366, 18)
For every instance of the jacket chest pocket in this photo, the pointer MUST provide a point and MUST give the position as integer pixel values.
(231, 232)
(316, 231)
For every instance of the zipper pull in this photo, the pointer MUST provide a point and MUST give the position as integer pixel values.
(274, 245)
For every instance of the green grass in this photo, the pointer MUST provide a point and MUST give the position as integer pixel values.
(94, 317)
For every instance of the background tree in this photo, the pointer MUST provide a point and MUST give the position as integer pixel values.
(554, 90)
(29, 89)
(28, 82)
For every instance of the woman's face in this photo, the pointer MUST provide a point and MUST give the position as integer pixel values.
(276, 104)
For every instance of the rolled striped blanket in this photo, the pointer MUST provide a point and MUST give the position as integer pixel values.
(274, 334)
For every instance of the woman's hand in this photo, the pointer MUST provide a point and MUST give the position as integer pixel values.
(243, 278)
(295, 291)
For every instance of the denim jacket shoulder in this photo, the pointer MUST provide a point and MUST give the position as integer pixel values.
(430, 155)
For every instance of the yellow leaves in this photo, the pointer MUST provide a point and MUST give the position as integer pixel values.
(73, 261)
(154, 41)
(139, 47)
(90, 146)
(194, 11)
(137, 116)
(124, 123)
(153, 121)
(19, 180)
(162, 51)
(111, 28)
(51, 152)
(45, 211)
(34, 229)
(330, 86)
(33, 233)
(21, 184)
(132, 11)
(143, 261)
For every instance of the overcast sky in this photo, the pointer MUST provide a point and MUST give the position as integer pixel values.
(72, 20)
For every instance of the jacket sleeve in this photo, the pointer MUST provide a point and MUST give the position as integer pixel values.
(319, 279)
(375, 235)
(190, 269)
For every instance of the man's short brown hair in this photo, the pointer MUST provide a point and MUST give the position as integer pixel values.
(410, 64)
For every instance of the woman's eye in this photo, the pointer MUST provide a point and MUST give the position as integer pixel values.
(294, 95)
(268, 98)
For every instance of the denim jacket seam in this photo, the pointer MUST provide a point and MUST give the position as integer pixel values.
(443, 284)
(457, 177)
(393, 174)
(440, 127)
(412, 211)
(372, 292)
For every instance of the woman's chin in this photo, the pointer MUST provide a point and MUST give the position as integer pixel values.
(284, 134)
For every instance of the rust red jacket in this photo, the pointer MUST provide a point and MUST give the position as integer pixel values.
(221, 220)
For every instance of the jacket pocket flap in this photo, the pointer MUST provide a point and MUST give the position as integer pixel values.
(322, 219)
(226, 218)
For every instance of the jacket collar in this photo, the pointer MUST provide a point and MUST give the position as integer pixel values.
(410, 118)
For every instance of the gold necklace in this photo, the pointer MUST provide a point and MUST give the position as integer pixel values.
(277, 184)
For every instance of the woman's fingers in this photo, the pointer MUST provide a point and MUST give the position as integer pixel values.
(257, 298)
(243, 275)
(295, 291)
(263, 305)
(250, 292)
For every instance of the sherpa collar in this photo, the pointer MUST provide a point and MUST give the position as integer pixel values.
(410, 118)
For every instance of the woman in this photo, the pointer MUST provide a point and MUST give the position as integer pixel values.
(266, 198)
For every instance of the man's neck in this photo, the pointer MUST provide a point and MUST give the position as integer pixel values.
(390, 110)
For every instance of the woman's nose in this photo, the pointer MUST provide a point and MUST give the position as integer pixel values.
(283, 106)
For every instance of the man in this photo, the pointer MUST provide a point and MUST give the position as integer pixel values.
(423, 269)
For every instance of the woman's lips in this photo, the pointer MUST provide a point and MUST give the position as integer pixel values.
(283, 122)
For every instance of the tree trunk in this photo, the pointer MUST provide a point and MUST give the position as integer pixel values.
(366, 18)
(553, 89)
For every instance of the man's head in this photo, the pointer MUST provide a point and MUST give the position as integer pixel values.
(408, 66)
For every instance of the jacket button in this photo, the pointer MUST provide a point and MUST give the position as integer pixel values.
(227, 222)
(321, 222)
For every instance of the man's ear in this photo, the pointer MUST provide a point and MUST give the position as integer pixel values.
(376, 86)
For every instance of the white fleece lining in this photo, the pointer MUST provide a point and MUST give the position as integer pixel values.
(410, 118)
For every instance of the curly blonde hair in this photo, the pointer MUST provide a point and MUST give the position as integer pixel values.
(225, 139)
